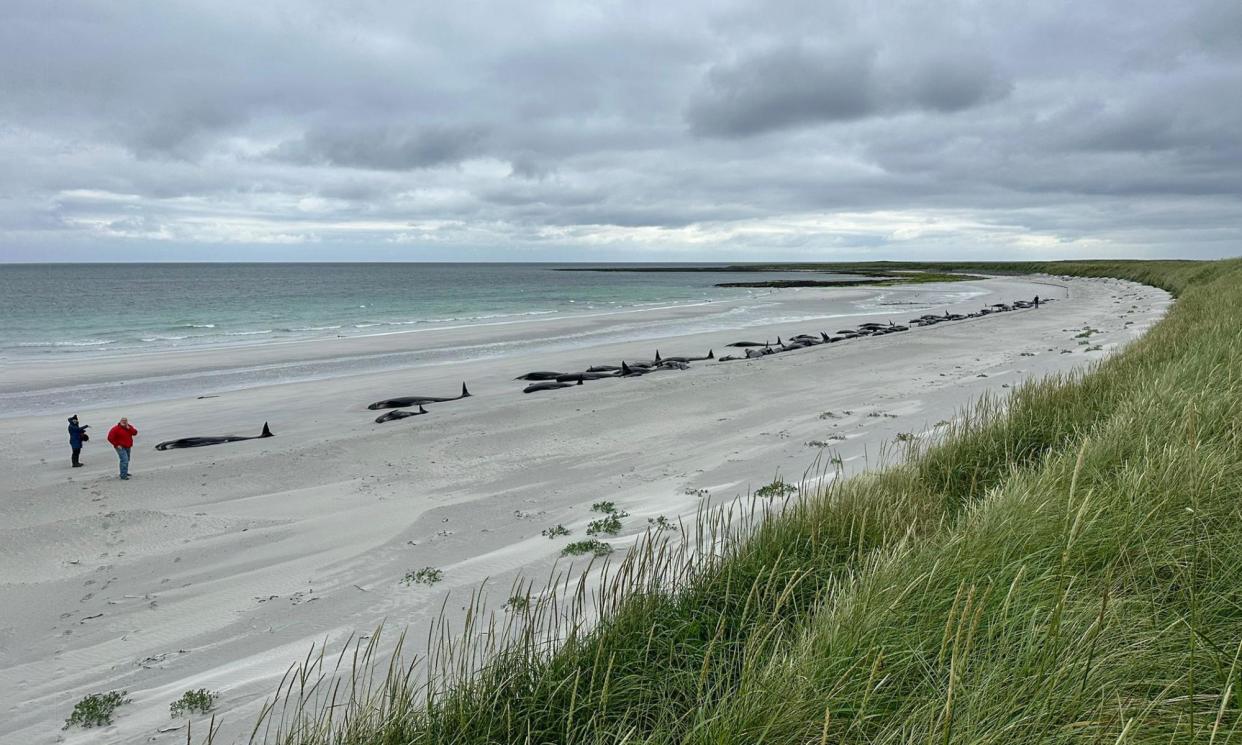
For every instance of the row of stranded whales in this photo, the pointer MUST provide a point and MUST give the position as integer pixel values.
(199, 442)
(548, 380)
(932, 320)
(404, 401)
(755, 349)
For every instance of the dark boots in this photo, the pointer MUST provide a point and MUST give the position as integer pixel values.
(76, 453)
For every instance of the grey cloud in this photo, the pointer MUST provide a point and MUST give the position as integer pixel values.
(795, 85)
(784, 88)
(393, 148)
(184, 134)
(950, 81)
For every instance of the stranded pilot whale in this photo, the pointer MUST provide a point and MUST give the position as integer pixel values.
(540, 375)
(711, 355)
(550, 385)
(389, 416)
(404, 401)
(198, 442)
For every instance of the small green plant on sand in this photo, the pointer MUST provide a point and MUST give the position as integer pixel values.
(424, 576)
(609, 508)
(193, 702)
(904, 437)
(96, 709)
(777, 488)
(660, 522)
(553, 532)
(517, 602)
(592, 546)
(607, 525)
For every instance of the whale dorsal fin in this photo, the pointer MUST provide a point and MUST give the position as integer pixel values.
(657, 359)
(711, 355)
(266, 432)
(625, 369)
(464, 393)
(421, 410)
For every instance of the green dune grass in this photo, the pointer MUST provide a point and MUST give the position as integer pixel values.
(1064, 565)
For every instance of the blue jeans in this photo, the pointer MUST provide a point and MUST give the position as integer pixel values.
(123, 454)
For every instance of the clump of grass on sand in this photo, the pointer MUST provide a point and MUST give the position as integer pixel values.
(200, 701)
(96, 709)
(424, 576)
(607, 525)
(555, 531)
(592, 546)
(1062, 565)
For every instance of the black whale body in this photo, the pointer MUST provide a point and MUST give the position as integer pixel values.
(540, 375)
(389, 416)
(198, 442)
(550, 385)
(574, 377)
(404, 401)
(711, 355)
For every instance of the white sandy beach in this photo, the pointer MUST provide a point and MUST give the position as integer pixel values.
(218, 567)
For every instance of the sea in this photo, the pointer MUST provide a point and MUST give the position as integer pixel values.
(72, 310)
(83, 313)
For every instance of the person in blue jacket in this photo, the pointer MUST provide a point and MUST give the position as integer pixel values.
(77, 433)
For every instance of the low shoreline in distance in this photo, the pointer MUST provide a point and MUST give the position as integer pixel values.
(869, 274)
(904, 278)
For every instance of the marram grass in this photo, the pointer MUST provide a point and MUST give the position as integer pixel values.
(1064, 565)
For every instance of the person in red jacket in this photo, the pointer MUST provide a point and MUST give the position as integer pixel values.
(121, 437)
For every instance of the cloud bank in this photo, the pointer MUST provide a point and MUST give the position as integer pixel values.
(619, 131)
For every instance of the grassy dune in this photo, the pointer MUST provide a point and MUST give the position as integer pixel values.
(1065, 565)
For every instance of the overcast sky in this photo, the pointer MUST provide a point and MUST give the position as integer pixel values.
(676, 131)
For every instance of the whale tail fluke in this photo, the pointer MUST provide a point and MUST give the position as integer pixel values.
(823, 336)
(267, 432)
(464, 393)
(711, 355)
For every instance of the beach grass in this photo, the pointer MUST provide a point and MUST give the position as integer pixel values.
(1063, 564)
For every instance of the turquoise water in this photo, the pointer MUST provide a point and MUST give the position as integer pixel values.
(94, 309)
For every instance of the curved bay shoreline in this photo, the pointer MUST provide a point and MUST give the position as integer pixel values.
(243, 556)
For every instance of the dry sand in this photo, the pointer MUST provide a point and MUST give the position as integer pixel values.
(218, 567)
